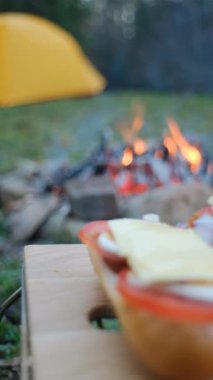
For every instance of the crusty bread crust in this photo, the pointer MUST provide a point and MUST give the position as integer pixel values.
(170, 349)
(107, 278)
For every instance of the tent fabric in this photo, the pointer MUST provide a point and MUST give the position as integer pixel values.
(41, 61)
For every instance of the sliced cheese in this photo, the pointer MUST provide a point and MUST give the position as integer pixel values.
(158, 252)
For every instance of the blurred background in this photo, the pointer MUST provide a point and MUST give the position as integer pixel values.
(155, 52)
(161, 45)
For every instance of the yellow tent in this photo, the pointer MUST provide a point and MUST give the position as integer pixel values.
(41, 61)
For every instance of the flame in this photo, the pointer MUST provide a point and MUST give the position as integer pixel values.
(137, 123)
(169, 143)
(189, 152)
(130, 132)
(125, 132)
(138, 120)
(140, 146)
(127, 157)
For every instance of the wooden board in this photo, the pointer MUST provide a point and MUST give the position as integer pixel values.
(61, 290)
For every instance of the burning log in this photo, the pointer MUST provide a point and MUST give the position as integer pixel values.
(142, 166)
(95, 164)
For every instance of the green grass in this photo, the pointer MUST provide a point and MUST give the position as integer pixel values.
(71, 128)
(10, 279)
(108, 324)
(10, 338)
(10, 274)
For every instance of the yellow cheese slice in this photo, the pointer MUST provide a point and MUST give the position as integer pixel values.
(158, 252)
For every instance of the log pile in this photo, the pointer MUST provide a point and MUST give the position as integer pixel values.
(37, 207)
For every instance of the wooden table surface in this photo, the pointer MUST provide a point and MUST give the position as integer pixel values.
(61, 289)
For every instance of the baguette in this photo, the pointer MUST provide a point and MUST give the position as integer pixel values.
(170, 333)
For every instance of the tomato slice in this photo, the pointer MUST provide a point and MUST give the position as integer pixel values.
(164, 303)
(89, 235)
(203, 211)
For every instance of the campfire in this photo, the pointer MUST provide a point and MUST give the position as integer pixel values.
(171, 176)
(141, 165)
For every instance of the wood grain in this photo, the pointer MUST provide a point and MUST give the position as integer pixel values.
(62, 288)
